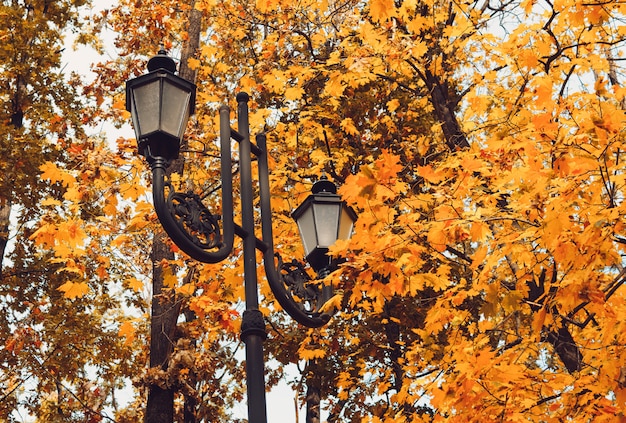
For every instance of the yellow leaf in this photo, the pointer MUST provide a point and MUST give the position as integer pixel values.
(348, 127)
(393, 105)
(45, 235)
(333, 304)
(73, 194)
(388, 166)
(247, 84)
(193, 63)
(446, 212)
(419, 49)
(437, 238)
(266, 6)
(72, 233)
(50, 202)
(479, 256)
(127, 330)
(51, 172)
(512, 300)
(309, 354)
(73, 290)
(169, 279)
(544, 90)
(294, 93)
(539, 320)
(479, 231)
(436, 282)
(135, 284)
(187, 289)
(274, 81)
(429, 174)
(380, 10)
(334, 86)
(119, 104)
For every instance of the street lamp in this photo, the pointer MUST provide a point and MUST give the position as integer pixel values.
(160, 104)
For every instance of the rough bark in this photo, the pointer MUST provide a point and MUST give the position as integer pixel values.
(445, 105)
(160, 406)
(313, 392)
(165, 308)
(561, 337)
(5, 215)
(193, 43)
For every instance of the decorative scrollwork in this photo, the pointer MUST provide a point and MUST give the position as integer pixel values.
(198, 223)
(302, 289)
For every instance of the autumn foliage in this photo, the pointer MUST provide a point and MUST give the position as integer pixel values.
(481, 144)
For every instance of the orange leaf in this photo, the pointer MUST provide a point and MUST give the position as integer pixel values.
(135, 284)
(479, 231)
(54, 174)
(429, 174)
(127, 330)
(539, 320)
(73, 290)
(437, 238)
(380, 10)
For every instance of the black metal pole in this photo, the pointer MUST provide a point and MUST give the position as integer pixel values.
(196, 230)
(253, 325)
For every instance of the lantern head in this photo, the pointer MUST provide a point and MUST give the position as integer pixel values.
(322, 219)
(160, 104)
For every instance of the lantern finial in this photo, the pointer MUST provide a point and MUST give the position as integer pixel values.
(323, 185)
(161, 61)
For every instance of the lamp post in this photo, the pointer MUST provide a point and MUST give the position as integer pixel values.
(160, 104)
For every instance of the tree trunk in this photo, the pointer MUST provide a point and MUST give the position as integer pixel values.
(160, 407)
(5, 216)
(445, 106)
(165, 308)
(191, 402)
(192, 45)
(313, 392)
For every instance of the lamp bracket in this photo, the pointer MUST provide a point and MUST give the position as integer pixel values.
(302, 290)
(194, 218)
(297, 281)
(192, 227)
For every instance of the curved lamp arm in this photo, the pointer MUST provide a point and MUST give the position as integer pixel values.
(288, 279)
(192, 227)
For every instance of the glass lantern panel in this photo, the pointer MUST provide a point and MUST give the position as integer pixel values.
(147, 107)
(175, 113)
(346, 224)
(326, 222)
(306, 225)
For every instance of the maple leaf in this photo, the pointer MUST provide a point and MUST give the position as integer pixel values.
(73, 290)
(127, 330)
(169, 278)
(53, 173)
(388, 166)
(479, 231)
(294, 93)
(431, 175)
(381, 10)
(186, 289)
(135, 284)
(311, 354)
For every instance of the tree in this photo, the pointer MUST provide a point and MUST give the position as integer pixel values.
(62, 357)
(481, 144)
(190, 366)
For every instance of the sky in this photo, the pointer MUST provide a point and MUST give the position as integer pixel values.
(280, 400)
